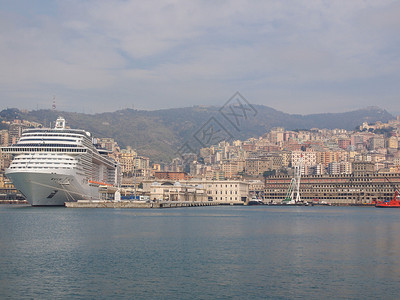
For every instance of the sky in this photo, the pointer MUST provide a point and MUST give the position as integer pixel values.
(304, 56)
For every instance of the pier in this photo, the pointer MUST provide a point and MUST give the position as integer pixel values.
(14, 202)
(143, 204)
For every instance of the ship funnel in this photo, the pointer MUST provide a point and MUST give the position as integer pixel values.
(60, 123)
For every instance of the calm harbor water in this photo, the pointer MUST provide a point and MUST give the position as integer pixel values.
(200, 253)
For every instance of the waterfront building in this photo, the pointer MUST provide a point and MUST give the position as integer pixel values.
(168, 191)
(364, 186)
(227, 191)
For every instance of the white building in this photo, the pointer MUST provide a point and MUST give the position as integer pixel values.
(229, 191)
(167, 191)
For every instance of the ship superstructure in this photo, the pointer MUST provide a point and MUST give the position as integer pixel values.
(54, 165)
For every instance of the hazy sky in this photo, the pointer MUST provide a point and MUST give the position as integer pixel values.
(296, 56)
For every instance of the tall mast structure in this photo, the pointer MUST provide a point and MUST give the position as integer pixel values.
(54, 103)
(297, 171)
(293, 193)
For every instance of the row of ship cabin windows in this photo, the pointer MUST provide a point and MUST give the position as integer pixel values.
(43, 163)
(41, 167)
(51, 135)
(44, 150)
(40, 158)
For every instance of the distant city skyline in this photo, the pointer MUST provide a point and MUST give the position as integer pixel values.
(294, 56)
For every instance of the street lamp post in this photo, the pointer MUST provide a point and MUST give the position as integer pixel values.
(135, 177)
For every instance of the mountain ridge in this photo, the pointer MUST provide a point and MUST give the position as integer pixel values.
(160, 133)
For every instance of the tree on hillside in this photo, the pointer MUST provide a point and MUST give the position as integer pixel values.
(269, 173)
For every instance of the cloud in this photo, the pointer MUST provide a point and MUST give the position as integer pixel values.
(287, 54)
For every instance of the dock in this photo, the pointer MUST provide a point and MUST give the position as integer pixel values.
(143, 204)
(14, 202)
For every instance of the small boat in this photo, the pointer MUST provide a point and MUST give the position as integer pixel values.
(394, 203)
(255, 201)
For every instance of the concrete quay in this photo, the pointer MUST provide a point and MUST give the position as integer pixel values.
(140, 204)
(14, 202)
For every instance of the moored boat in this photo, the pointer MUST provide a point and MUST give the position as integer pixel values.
(255, 201)
(393, 203)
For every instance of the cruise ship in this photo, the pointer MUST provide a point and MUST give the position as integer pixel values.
(52, 166)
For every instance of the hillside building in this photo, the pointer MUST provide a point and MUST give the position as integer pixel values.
(174, 176)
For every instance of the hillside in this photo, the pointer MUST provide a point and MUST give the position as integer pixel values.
(159, 134)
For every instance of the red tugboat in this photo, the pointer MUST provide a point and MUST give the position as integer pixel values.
(395, 202)
(390, 203)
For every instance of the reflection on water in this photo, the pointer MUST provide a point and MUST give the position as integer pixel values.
(205, 252)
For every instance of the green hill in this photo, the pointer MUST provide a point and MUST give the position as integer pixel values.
(159, 134)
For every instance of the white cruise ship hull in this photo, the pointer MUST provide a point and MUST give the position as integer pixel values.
(50, 188)
(54, 166)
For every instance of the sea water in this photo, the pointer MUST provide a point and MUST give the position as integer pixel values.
(258, 252)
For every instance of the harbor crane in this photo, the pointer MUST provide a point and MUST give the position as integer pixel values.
(293, 193)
